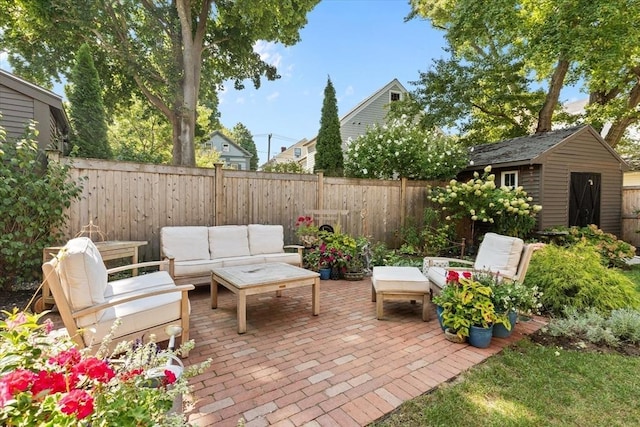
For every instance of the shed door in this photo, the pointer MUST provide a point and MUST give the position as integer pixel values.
(584, 203)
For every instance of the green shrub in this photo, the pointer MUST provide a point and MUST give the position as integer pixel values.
(625, 324)
(33, 198)
(614, 252)
(575, 277)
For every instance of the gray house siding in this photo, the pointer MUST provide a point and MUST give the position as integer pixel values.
(21, 102)
(235, 156)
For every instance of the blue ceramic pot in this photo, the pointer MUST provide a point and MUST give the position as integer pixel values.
(480, 337)
(325, 273)
(439, 311)
(501, 331)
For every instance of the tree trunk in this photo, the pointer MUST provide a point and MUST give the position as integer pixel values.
(550, 102)
(616, 132)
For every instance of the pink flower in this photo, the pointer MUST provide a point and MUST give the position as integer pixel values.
(66, 358)
(48, 326)
(95, 369)
(13, 323)
(15, 382)
(77, 402)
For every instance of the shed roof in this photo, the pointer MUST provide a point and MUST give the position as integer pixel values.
(530, 149)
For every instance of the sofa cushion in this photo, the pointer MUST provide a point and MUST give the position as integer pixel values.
(185, 243)
(438, 276)
(136, 316)
(287, 257)
(499, 253)
(266, 239)
(243, 260)
(196, 267)
(83, 275)
(228, 241)
(399, 279)
(136, 283)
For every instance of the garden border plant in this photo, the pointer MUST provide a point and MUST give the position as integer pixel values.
(34, 196)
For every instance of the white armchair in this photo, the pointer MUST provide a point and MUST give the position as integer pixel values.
(504, 255)
(89, 304)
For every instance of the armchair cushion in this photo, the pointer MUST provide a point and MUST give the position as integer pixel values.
(185, 243)
(228, 241)
(265, 239)
(499, 253)
(83, 275)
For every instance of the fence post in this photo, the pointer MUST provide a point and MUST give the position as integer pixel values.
(320, 201)
(218, 191)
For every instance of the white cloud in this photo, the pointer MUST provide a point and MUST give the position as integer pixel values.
(268, 52)
(349, 90)
(273, 96)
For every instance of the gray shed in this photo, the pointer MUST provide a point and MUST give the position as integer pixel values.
(573, 173)
(21, 101)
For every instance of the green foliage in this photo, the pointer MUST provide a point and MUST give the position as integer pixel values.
(89, 136)
(438, 234)
(509, 61)
(403, 149)
(138, 133)
(614, 252)
(207, 158)
(243, 137)
(623, 325)
(283, 167)
(33, 198)
(575, 277)
(177, 54)
(506, 210)
(329, 157)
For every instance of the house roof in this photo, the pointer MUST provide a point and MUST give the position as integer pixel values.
(36, 92)
(531, 149)
(230, 141)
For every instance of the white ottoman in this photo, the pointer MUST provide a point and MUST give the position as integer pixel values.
(400, 283)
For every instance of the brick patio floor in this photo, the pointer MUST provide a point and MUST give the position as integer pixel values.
(341, 368)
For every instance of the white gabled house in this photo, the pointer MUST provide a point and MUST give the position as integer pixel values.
(372, 110)
(231, 153)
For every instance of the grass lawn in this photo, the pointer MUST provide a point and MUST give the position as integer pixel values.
(533, 385)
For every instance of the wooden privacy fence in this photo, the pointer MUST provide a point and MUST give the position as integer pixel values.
(630, 217)
(132, 201)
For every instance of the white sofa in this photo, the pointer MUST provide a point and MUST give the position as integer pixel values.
(194, 250)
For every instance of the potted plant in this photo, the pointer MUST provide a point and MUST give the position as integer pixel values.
(467, 309)
(354, 267)
(46, 379)
(306, 231)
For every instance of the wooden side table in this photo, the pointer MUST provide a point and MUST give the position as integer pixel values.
(109, 250)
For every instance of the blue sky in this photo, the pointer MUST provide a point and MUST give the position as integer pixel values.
(361, 44)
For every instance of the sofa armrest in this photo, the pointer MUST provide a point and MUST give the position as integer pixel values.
(444, 262)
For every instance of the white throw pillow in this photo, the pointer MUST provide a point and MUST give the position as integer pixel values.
(266, 239)
(228, 241)
(185, 243)
(499, 253)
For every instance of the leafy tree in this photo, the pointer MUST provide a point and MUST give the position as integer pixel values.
(241, 135)
(283, 167)
(510, 59)
(403, 149)
(163, 49)
(329, 157)
(89, 135)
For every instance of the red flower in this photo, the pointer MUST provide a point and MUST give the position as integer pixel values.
(95, 369)
(15, 382)
(77, 402)
(66, 358)
(169, 377)
(53, 381)
(454, 277)
(126, 376)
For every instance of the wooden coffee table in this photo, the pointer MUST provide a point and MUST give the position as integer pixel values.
(255, 279)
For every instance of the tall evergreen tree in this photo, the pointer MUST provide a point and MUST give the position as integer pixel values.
(243, 137)
(329, 157)
(89, 136)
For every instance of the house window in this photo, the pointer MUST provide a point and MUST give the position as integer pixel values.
(297, 152)
(509, 179)
(225, 148)
(394, 96)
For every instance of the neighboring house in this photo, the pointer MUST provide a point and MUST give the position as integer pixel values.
(373, 110)
(21, 101)
(296, 153)
(232, 154)
(573, 173)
